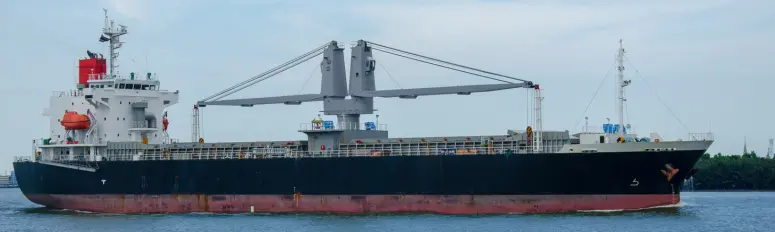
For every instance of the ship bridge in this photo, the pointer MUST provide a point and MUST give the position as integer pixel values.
(133, 82)
(349, 100)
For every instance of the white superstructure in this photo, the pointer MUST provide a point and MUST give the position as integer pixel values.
(118, 108)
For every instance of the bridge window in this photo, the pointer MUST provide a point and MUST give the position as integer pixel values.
(120, 86)
(145, 87)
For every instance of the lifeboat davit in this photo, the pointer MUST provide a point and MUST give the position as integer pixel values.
(75, 121)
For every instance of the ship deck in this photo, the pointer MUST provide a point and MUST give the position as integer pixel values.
(512, 143)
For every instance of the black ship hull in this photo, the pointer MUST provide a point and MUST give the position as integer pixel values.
(517, 183)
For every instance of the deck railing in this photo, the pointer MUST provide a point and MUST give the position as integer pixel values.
(700, 136)
(270, 153)
(339, 126)
(68, 93)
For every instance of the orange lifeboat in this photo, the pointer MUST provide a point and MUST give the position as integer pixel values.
(165, 122)
(75, 121)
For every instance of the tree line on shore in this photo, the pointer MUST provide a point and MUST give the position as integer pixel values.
(734, 172)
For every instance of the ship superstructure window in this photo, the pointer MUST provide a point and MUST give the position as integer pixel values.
(120, 86)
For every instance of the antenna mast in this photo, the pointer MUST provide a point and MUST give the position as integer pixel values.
(621, 83)
(113, 35)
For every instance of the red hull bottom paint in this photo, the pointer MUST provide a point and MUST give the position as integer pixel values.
(454, 204)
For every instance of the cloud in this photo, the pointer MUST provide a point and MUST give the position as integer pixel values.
(501, 21)
(134, 9)
(146, 10)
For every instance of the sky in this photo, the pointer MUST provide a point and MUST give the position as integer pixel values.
(696, 66)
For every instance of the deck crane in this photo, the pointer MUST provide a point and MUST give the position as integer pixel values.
(334, 87)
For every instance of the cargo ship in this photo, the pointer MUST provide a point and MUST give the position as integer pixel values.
(8, 181)
(109, 151)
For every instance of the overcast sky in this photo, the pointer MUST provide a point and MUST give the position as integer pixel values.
(710, 61)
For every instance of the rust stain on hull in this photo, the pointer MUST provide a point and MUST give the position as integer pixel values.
(446, 204)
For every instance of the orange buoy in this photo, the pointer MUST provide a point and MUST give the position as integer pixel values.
(75, 121)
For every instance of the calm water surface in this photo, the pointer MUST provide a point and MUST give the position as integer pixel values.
(710, 211)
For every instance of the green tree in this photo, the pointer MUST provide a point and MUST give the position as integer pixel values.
(735, 172)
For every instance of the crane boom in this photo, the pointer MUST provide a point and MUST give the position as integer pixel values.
(361, 89)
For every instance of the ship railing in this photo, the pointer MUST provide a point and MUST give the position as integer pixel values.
(36, 143)
(83, 162)
(68, 93)
(105, 76)
(270, 153)
(450, 151)
(135, 76)
(707, 136)
(141, 124)
(340, 126)
(99, 76)
(593, 129)
(22, 159)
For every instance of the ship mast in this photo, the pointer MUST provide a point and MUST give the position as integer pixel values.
(621, 83)
(113, 35)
